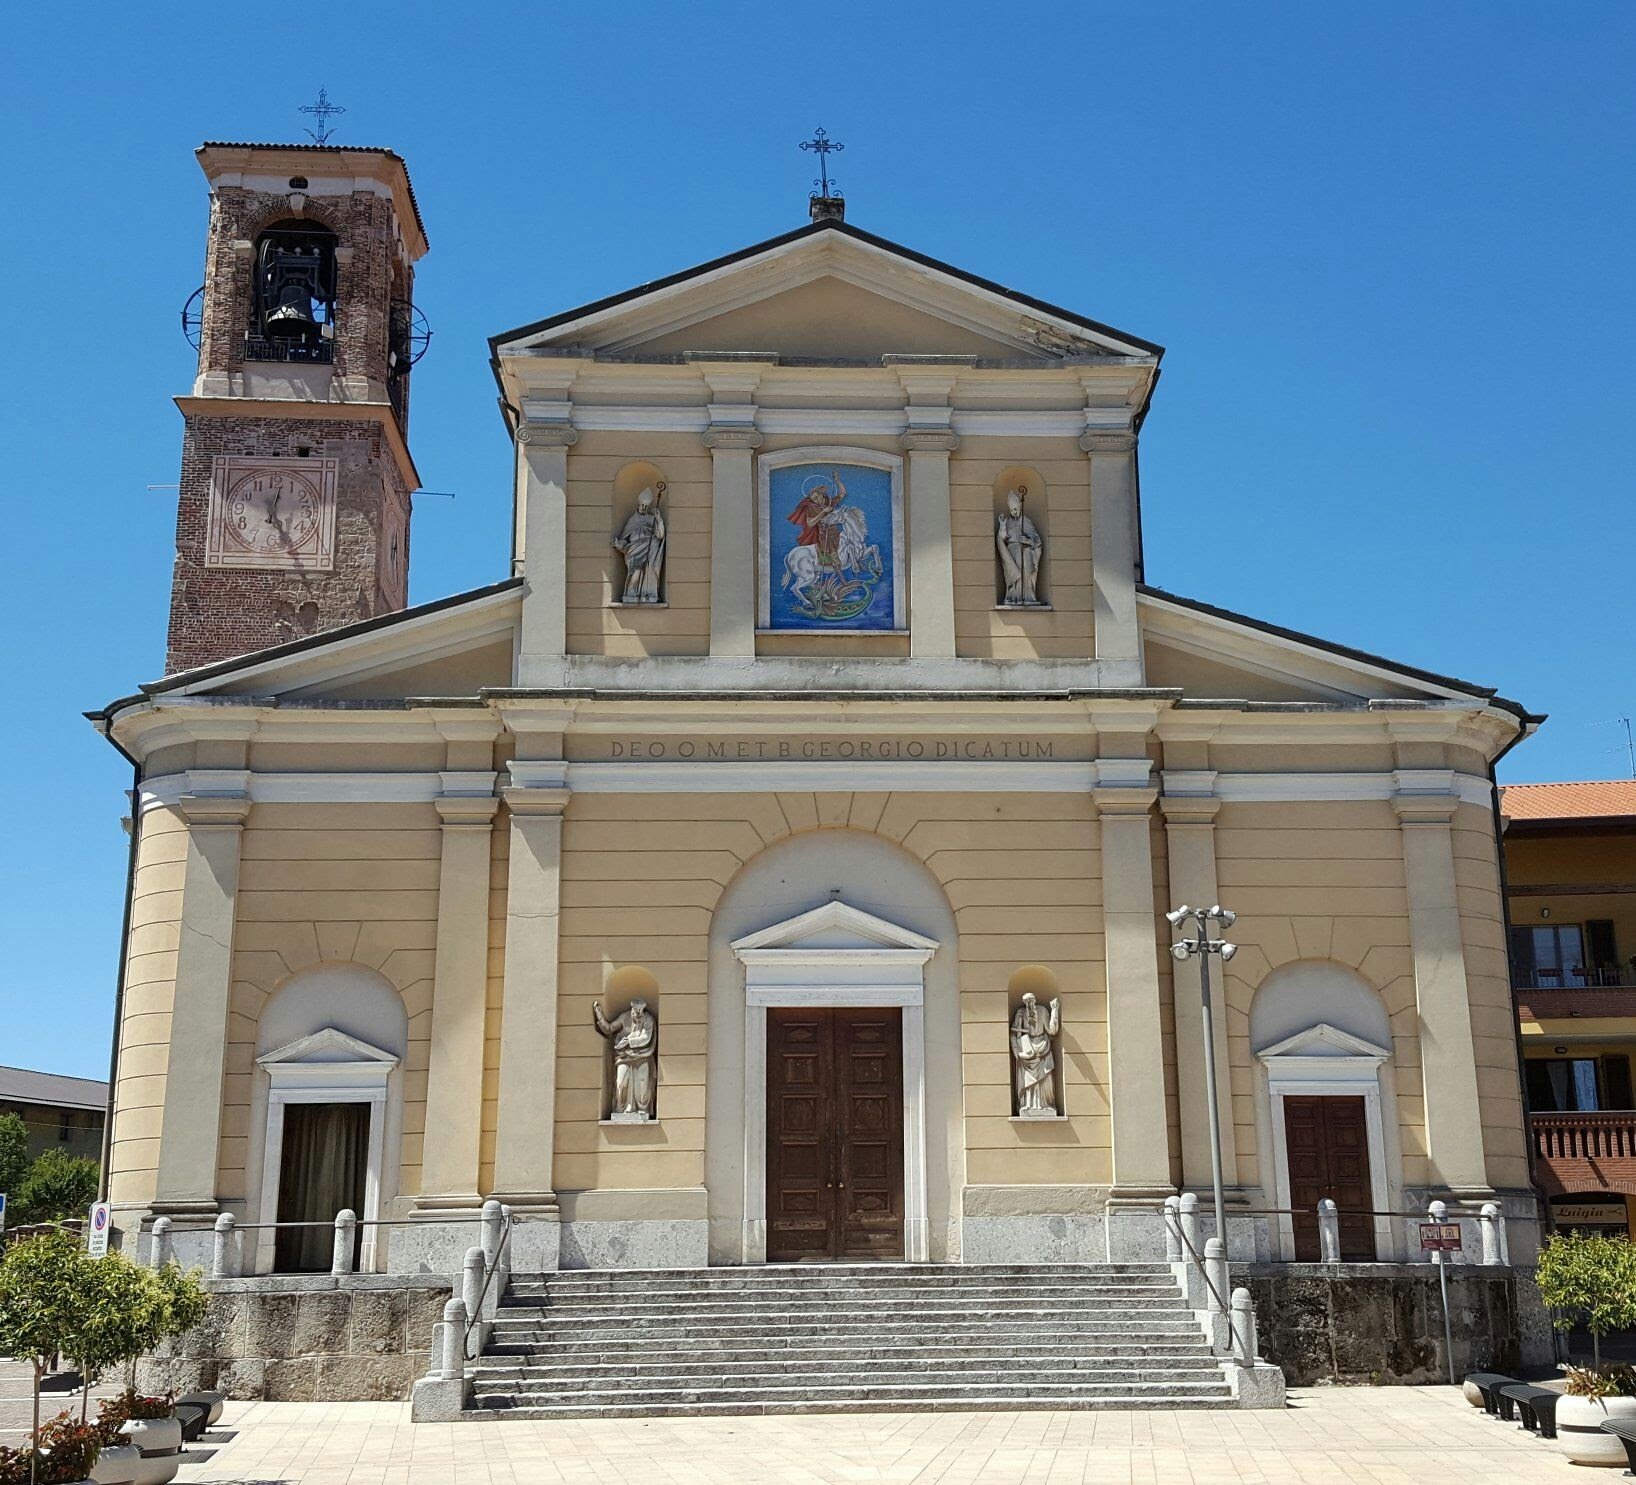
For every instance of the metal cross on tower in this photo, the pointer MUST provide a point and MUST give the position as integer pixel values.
(323, 110)
(823, 146)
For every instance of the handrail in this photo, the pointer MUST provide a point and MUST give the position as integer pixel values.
(493, 1267)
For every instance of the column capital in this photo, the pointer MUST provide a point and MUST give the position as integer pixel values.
(522, 799)
(731, 436)
(466, 811)
(217, 811)
(925, 441)
(1095, 441)
(1189, 809)
(1425, 809)
(547, 435)
(1124, 799)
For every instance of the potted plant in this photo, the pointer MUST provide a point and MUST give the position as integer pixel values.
(152, 1426)
(62, 1452)
(118, 1461)
(1591, 1280)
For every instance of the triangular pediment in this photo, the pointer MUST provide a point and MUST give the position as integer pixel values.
(835, 926)
(825, 292)
(1324, 1040)
(327, 1046)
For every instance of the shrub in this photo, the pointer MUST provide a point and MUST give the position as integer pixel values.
(43, 1295)
(66, 1454)
(13, 1156)
(1589, 1280)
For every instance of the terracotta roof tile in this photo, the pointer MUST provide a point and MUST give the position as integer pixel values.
(1593, 799)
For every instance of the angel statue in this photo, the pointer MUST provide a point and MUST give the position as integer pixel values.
(641, 543)
(635, 1037)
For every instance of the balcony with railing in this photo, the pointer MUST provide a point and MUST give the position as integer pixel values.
(1576, 977)
(1579, 1153)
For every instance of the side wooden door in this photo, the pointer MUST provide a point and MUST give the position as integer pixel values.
(1327, 1140)
(869, 1078)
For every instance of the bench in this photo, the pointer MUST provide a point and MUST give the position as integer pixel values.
(1489, 1383)
(1537, 1405)
(193, 1420)
(1624, 1429)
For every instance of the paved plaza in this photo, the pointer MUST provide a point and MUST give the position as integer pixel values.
(1371, 1436)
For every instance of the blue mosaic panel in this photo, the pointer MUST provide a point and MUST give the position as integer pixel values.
(832, 564)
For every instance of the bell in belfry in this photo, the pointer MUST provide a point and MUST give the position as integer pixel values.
(292, 278)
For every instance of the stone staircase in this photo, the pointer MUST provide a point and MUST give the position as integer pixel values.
(836, 1338)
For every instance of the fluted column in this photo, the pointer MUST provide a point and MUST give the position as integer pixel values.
(190, 1129)
(1454, 1127)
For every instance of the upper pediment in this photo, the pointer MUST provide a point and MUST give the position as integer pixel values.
(826, 292)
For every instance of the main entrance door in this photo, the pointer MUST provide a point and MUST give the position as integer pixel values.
(834, 1133)
(1328, 1144)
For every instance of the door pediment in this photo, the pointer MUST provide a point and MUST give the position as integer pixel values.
(834, 955)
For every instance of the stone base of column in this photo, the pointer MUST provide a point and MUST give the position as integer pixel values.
(435, 1239)
(1133, 1224)
(536, 1237)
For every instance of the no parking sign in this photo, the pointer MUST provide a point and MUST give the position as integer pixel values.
(96, 1237)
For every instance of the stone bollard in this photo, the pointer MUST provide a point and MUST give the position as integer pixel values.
(1329, 1232)
(1244, 1339)
(453, 1367)
(471, 1286)
(346, 1224)
(1495, 1248)
(1215, 1266)
(221, 1253)
(1189, 1208)
(1173, 1235)
(159, 1252)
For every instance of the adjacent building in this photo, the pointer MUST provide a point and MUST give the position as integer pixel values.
(1570, 854)
(61, 1113)
(823, 714)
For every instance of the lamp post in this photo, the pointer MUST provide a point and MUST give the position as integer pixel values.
(1203, 946)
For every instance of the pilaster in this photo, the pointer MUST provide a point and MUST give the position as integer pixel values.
(1141, 1142)
(524, 1146)
(732, 439)
(1190, 839)
(190, 1130)
(1454, 1128)
(540, 540)
(928, 440)
(1111, 444)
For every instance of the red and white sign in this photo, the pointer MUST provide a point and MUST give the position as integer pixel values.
(96, 1235)
(1440, 1237)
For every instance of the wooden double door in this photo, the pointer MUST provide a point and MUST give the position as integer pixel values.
(834, 1134)
(1327, 1140)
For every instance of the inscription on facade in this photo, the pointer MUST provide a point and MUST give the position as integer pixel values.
(750, 750)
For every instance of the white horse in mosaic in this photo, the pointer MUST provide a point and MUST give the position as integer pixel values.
(854, 553)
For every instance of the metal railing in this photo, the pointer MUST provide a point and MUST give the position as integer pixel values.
(1577, 977)
(1569, 1136)
(311, 352)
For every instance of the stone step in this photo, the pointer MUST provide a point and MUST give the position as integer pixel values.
(977, 1294)
(713, 1372)
(879, 1395)
(912, 1351)
(804, 1319)
(977, 1404)
(862, 1383)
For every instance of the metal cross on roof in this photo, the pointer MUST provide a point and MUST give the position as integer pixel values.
(822, 146)
(323, 110)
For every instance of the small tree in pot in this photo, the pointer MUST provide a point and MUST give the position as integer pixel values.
(44, 1282)
(1591, 1281)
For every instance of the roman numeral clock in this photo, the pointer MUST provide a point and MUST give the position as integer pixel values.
(272, 513)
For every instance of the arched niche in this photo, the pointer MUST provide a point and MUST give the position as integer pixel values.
(631, 480)
(331, 1038)
(771, 899)
(1030, 484)
(293, 291)
(1319, 1030)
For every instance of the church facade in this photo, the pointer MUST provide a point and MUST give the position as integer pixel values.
(772, 865)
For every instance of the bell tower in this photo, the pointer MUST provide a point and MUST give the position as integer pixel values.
(296, 483)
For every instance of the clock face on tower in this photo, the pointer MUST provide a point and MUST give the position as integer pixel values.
(277, 513)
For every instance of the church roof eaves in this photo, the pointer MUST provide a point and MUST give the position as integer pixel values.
(1412, 672)
(310, 642)
(813, 229)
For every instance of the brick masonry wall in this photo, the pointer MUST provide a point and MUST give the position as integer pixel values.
(299, 1338)
(218, 612)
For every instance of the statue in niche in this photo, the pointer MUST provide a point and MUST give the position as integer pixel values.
(641, 542)
(635, 1037)
(1033, 1029)
(1020, 546)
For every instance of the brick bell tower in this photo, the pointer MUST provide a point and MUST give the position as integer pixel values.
(296, 484)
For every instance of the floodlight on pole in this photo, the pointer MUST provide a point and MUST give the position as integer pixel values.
(1203, 947)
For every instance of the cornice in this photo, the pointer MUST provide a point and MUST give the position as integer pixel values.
(380, 413)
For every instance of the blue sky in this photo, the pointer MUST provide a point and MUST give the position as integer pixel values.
(1387, 247)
